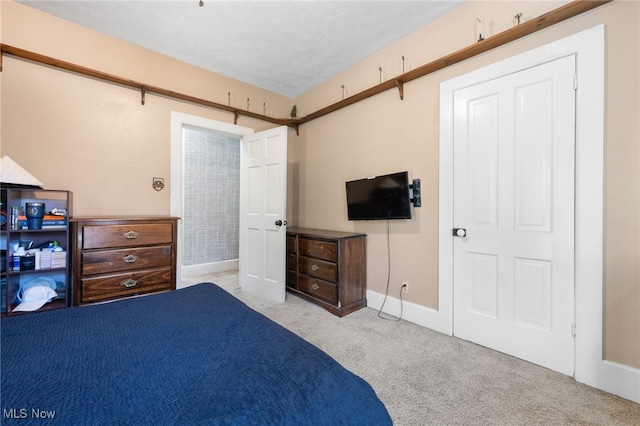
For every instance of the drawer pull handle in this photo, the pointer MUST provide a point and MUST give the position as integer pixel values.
(131, 235)
(129, 283)
(315, 286)
(130, 258)
(314, 267)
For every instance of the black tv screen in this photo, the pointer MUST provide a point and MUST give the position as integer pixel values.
(379, 197)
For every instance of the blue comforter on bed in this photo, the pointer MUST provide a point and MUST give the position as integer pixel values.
(195, 356)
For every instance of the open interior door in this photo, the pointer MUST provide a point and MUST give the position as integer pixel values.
(263, 203)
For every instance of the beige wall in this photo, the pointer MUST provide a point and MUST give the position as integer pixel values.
(96, 139)
(384, 134)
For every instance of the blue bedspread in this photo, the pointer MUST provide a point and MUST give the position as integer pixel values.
(195, 356)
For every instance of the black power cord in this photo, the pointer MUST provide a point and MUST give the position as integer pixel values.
(380, 314)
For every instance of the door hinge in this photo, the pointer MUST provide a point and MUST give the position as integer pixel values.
(575, 82)
(573, 330)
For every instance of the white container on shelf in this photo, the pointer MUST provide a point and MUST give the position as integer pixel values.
(45, 259)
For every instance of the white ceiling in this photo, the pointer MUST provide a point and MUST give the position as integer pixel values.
(286, 47)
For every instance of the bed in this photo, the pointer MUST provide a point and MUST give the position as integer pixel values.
(194, 356)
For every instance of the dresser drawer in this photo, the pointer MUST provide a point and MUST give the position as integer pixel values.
(318, 249)
(130, 235)
(106, 261)
(317, 268)
(117, 286)
(318, 288)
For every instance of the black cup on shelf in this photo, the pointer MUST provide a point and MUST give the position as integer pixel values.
(35, 213)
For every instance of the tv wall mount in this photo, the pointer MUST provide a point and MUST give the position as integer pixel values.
(414, 193)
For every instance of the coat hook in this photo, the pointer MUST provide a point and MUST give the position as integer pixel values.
(518, 16)
(380, 70)
(143, 91)
(229, 98)
(479, 29)
(264, 108)
(402, 64)
(342, 91)
(247, 104)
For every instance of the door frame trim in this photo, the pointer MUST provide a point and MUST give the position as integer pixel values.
(588, 48)
(178, 121)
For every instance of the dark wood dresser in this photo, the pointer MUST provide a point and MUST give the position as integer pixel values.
(116, 257)
(327, 268)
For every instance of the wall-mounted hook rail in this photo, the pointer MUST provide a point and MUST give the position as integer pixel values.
(67, 66)
(562, 13)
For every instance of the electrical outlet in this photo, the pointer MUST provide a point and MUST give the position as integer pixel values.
(405, 287)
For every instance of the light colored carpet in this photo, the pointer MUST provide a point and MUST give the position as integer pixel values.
(426, 378)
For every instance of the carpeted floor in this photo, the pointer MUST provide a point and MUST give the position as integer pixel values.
(426, 378)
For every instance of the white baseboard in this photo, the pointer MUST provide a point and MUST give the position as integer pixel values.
(617, 379)
(621, 380)
(209, 268)
(417, 314)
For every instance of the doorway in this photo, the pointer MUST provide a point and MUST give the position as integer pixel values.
(211, 201)
(193, 196)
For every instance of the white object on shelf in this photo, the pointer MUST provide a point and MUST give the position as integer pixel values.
(45, 259)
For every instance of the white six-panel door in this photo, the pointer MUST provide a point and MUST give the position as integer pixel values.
(263, 202)
(514, 194)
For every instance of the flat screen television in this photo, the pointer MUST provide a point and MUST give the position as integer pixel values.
(379, 197)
